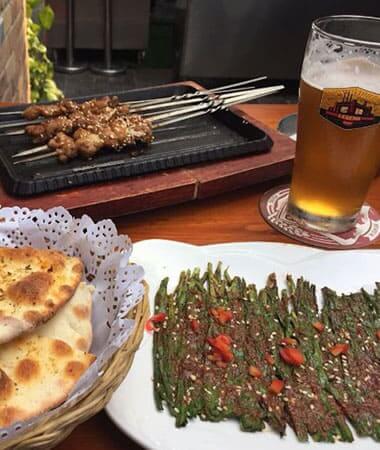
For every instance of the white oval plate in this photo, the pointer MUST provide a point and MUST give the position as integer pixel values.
(132, 406)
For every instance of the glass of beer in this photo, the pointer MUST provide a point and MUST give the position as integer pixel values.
(338, 136)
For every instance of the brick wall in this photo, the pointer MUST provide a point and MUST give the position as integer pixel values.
(14, 81)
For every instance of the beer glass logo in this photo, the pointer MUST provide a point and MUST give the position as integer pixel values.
(350, 107)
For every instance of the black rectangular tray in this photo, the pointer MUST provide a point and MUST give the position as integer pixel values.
(207, 138)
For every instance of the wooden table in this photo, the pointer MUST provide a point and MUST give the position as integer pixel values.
(227, 218)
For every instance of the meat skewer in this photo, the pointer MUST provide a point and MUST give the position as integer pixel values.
(94, 106)
(46, 130)
(59, 123)
(117, 134)
(67, 106)
(127, 137)
(69, 109)
(44, 148)
(68, 124)
(100, 109)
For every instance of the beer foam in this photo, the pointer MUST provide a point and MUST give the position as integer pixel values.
(350, 72)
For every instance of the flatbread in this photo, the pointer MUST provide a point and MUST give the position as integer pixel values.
(72, 323)
(34, 284)
(37, 374)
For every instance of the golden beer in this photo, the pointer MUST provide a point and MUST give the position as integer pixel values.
(334, 167)
(338, 136)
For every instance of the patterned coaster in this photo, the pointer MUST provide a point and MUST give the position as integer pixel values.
(273, 209)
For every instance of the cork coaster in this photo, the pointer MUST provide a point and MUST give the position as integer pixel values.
(273, 207)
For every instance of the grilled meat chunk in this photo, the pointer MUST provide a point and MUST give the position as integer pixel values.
(65, 107)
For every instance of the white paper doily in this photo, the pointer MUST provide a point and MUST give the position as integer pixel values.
(105, 254)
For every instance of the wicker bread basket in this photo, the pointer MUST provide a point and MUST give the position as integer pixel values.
(56, 428)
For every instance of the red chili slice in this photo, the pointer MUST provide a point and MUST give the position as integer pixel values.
(228, 356)
(156, 318)
(378, 334)
(224, 338)
(288, 341)
(149, 327)
(221, 315)
(159, 317)
(338, 349)
(269, 358)
(276, 386)
(255, 372)
(225, 316)
(195, 325)
(292, 356)
(319, 326)
(219, 343)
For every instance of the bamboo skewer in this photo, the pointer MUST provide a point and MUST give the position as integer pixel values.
(13, 133)
(186, 102)
(190, 95)
(31, 151)
(203, 92)
(19, 124)
(35, 158)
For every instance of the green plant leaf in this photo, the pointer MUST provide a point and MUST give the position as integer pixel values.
(42, 84)
(46, 17)
(33, 3)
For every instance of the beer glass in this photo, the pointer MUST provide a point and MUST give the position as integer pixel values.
(338, 136)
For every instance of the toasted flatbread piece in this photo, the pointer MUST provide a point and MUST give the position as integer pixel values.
(72, 323)
(34, 284)
(37, 374)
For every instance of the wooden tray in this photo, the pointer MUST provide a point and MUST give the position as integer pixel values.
(170, 187)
